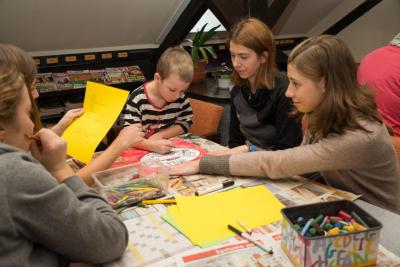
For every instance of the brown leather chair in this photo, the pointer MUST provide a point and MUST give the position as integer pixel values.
(206, 118)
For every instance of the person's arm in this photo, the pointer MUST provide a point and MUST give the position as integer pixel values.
(336, 152)
(127, 137)
(236, 137)
(66, 120)
(185, 116)
(68, 218)
(160, 146)
(56, 210)
(166, 133)
(158, 142)
(229, 151)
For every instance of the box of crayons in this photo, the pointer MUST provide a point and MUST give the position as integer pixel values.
(127, 186)
(337, 233)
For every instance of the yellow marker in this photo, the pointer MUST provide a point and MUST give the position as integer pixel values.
(159, 201)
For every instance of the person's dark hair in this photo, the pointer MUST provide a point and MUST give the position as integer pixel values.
(255, 35)
(345, 102)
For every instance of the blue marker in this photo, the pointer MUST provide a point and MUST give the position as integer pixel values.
(305, 228)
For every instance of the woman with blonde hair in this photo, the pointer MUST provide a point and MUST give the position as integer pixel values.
(128, 137)
(345, 139)
(48, 215)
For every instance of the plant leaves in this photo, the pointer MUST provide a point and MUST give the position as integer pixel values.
(211, 51)
(207, 35)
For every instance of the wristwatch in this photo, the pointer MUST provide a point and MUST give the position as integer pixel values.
(252, 147)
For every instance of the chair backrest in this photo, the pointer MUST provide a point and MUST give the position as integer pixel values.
(396, 143)
(206, 118)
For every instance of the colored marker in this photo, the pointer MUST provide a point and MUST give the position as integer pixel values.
(214, 187)
(159, 201)
(248, 238)
(358, 219)
(248, 230)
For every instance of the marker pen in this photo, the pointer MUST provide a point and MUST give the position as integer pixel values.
(214, 187)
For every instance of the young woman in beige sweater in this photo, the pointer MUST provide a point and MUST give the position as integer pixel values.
(345, 139)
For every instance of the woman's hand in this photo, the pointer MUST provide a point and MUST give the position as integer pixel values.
(186, 168)
(66, 120)
(51, 151)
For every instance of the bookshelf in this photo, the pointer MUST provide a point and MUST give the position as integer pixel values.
(61, 79)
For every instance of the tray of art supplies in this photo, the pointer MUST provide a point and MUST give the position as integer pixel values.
(336, 233)
(130, 184)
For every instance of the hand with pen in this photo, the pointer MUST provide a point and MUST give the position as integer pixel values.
(161, 146)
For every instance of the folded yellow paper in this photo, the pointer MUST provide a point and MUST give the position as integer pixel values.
(102, 106)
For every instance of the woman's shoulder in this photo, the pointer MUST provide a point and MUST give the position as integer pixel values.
(236, 90)
(20, 169)
(373, 135)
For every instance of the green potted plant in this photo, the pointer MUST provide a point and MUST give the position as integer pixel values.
(198, 47)
(224, 76)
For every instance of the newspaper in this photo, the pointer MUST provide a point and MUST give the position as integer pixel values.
(238, 253)
(155, 243)
(151, 239)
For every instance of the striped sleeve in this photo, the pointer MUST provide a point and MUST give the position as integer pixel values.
(131, 113)
(185, 116)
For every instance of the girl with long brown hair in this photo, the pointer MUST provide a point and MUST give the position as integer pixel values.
(259, 117)
(345, 139)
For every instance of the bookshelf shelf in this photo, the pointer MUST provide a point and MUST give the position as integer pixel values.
(61, 78)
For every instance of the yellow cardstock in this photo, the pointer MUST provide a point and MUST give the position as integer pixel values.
(102, 106)
(206, 218)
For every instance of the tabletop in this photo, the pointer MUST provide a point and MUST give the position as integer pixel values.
(154, 242)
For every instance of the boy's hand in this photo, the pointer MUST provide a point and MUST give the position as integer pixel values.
(129, 136)
(161, 146)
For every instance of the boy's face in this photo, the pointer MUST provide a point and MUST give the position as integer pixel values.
(171, 88)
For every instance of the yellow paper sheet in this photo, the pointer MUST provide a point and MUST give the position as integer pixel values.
(102, 106)
(205, 218)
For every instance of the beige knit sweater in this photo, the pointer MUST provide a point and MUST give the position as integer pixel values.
(356, 161)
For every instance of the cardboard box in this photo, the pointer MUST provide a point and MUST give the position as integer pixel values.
(357, 248)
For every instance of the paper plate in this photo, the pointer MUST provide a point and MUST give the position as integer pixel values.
(174, 157)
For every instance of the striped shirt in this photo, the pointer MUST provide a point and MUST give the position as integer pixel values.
(138, 109)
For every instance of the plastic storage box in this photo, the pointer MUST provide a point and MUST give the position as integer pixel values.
(357, 248)
(116, 176)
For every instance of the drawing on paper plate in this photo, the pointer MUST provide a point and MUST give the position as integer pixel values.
(174, 157)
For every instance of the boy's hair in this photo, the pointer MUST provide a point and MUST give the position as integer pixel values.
(345, 101)
(176, 60)
(13, 55)
(255, 35)
(11, 84)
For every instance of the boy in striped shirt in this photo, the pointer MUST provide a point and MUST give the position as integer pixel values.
(161, 105)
